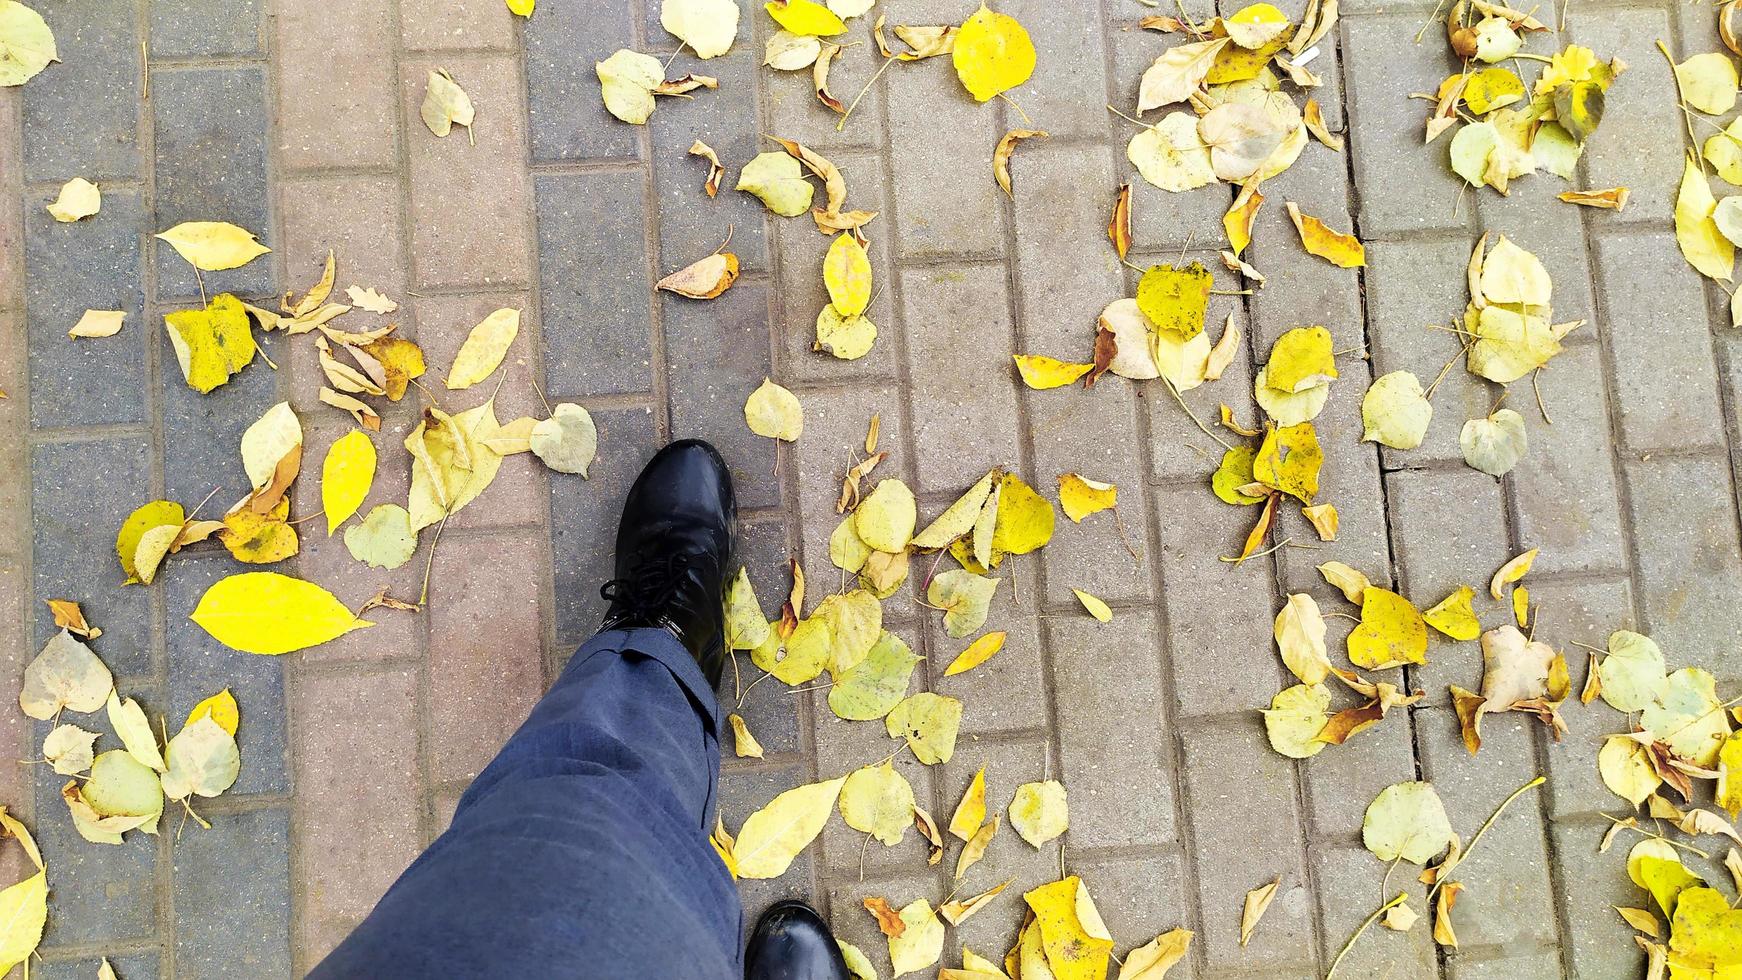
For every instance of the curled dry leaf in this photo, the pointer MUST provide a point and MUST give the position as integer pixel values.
(1007, 146)
(1314, 118)
(1257, 903)
(703, 279)
(1611, 199)
(1339, 249)
(716, 170)
(1119, 225)
(888, 920)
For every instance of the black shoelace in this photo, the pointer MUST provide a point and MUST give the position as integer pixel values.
(650, 589)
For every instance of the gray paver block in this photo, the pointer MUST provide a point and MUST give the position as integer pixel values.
(1066, 269)
(1349, 882)
(1589, 885)
(96, 83)
(139, 966)
(842, 748)
(717, 353)
(1656, 316)
(1113, 744)
(1552, 230)
(1139, 898)
(1160, 220)
(1565, 614)
(1414, 289)
(1684, 527)
(1342, 779)
(937, 212)
(1633, 149)
(1404, 185)
(1089, 432)
(1303, 289)
(1524, 963)
(800, 248)
(742, 792)
(210, 121)
(1507, 896)
(566, 117)
(1567, 498)
(75, 523)
(584, 521)
(232, 897)
(1016, 672)
(793, 109)
(594, 314)
(1219, 637)
(961, 389)
(691, 225)
(202, 434)
(1066, 95)
(101, 892)
(94, 264)
(1246, 831)
(185, 29)
(200, 666)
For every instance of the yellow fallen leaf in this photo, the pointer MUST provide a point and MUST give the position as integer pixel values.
(1095, 606)
(568, 441)
(1289, 460)
(775, 834)
(384, 538)
(79, 198)
(1257, 903)
(959, 518)
(1300, 637)
(964, 598)
(26, 48)
(1337, 248)
(1025, 519)
(1454, 615)
(1119, 225)
(1152, 960)
(346, 476)
(1174, 300)
(23, 906)
(98, 323)
(929, 723)
(484, 349)
(1177, 73)
(260, 539)
(976, 654)
(992, 54)
(627, 80)
(1081, 496)
(1406, 820)
(971, 811)
(847, 275)
(1041, 372)
(269, 613)
(202, 761)
(65, 674)
(778, 180)
(1708, 82)
(703, 279)
(1705, 248)
(708, 26)
(1609, 199)
(213, 245)
(955, 913)
(975, 848)
(744, 744)
(211, 344)
(522, 8)
(1391, 632)
(1510, 572)
(1072, 935)
(805, 18)
(1295, 719)
(885, 519)
(1040, 812)
(1301, 359)
(921, 943)
(68, 749)
(774, 412)
(221, 708)
(1323, 518)
(445, 104)
(1007, 146)
(1395, 411)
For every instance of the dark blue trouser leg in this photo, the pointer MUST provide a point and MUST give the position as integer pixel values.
(581, 850)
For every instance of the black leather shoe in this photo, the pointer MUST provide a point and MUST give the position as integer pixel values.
(674, 545)
(792, 942)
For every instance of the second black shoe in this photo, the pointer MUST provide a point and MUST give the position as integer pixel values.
(792, 942)
(674, 545)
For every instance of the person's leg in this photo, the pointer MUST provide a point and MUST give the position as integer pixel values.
(582, 849)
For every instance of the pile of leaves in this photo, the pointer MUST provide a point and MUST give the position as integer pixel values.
(1708, 228)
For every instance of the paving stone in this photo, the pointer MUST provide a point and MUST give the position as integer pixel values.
(1449, 529)
(199, 667)
(580, 217)
(801, 294)
(1161, 221)
(1017, 671)
(139, 966)
(81, 117)
(1536, 220)
(1529, 962)
(1413, 289)
(959, 389)
(466, 25)
(1213, 607)
(566, 117)
(102, 893)
(793, 109)
(233, 917)
(1139, 898)
(1634, 150)
(1113, 744)
(184, 29)
(1688, 570)
(1245, 829)
(1065, 270)
(334, 82)
(851, 923)
(1342, 779)
(1566, 614)
(357, 218)
(1507, 896)
(359, 793)
(744, 791)
(453, 183)
(1404, 185)
(994, 928)
(1352, 883)
(210, 121)
(1180, 451)
(843, 747)
(583, 516)
(1348, 480)
(936, 213)
(202, 434)
(11, 227)
(1566, 505)
(1304, 289)
(1657, 315)
(1092, 556)
(692, 225)
(1599, 945)
(486, 666)
(75, 521)
(72, 268)
(1068, 93)
(719, 351)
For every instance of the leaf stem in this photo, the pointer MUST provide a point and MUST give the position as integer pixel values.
(1440, 881)
(1381, 910)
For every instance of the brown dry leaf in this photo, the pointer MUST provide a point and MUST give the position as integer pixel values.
(1257, 902)
(928, 829)
(1315, 124)
(685, 84)
(888, 920)
(1468, 705)
(1119, 226)
(1445, 114)
(957, 912)
(1610, 199)
(975, 848)
(716, 170)
(68, 616)
(1106, 352)
(704, 279)
(850, 484)
(1260, 529)
(360, 410)
(1443, 933)
(820, 77)
(1007, 146)
(1337, 248)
